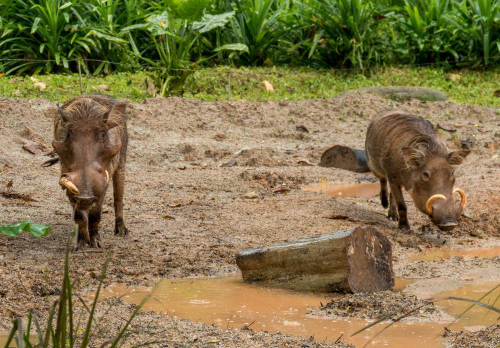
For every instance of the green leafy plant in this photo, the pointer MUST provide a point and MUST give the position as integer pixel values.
(256, 27)
(14, 230)
(347, 30)
(174, 40)
(45, 34)
(480, 21)
(428, 31)
(62, 330)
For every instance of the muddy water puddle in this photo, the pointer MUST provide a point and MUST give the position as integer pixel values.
(475, 316)
(230, 303)
(444, 253)
(345, 190)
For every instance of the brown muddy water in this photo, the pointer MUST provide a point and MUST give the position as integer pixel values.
(345, 190)
(230, 303)
(446, 253)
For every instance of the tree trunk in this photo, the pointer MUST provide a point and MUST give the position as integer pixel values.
(353, 260)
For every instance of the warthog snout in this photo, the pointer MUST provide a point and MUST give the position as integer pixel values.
(445, 213)
(84, 200)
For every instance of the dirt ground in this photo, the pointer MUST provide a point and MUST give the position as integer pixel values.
(188, 215)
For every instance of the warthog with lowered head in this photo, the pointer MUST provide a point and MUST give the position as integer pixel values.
(406, 151)
(91, 141)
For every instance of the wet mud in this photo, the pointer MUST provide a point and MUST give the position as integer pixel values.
(205, 180)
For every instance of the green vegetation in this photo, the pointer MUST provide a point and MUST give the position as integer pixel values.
(14, 230)
(172, 37)
(462, 86)
(63, 324)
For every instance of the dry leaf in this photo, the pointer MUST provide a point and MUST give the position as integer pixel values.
(38, 84)
(102, 87)
(268, 85)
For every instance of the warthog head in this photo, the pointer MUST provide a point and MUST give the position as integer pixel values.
(432, 180)
(86, 148)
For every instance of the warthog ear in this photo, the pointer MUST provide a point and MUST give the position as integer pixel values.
(413, 157)
(114, 117)
(456, 157)
(64, 114)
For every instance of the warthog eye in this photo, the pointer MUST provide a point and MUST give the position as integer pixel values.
(104, 135)
(426, 175)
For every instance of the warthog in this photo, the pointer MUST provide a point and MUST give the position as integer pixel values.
(406, 151)
(91, 141)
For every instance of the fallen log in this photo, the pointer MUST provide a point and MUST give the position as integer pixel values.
(344, 157)
(352, 260)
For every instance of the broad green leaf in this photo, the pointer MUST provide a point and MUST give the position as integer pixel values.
(66, 5)
(13, 230)
(163, 24)
(35, 25)
(209, 22)
(233, 47)
(188, 9)
(38, 230)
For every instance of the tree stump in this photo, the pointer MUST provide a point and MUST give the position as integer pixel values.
(352, 260)
(344, 157)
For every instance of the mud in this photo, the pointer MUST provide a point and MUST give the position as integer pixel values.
(188, 216)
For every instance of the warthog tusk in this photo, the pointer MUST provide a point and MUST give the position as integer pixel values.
(69, 186)
(428, 205)
(107, 176)
(463, 201)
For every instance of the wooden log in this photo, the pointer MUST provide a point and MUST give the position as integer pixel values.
(352, 260)
(344, 157)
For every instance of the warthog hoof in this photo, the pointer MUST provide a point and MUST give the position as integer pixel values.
(404, 227)
(393, 216)
(80, 245)
(95, 242)
(121, 230)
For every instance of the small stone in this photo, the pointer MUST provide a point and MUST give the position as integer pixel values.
(446, 127)
(229, 164)
(467, 144)
(284, 102)
(251, 195)
(301, 128)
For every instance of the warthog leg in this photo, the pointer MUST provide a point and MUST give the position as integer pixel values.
(118, 187)
(83, 238)
(94, 221)
(383, 192)
(401, 206)
(393, 209)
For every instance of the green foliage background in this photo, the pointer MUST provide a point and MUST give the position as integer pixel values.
(100, 36)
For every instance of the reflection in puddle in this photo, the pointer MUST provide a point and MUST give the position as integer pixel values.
(476, 316)
(232, 303)
(345, 190)
(438, 254)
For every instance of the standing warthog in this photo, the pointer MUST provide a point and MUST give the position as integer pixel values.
(407, 151)
(91, 141)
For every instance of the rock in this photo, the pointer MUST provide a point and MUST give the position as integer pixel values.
(467, 144)
(402, 92)
(284, 102)
(301, 128)
(251, 195)
(353, 260)
(344, 157)
(229, 164)
(446, 127)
